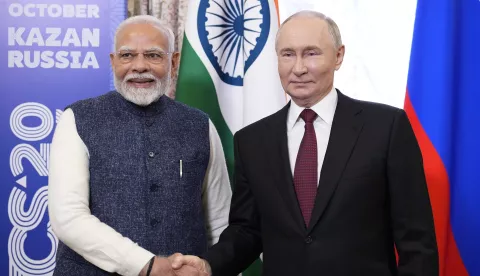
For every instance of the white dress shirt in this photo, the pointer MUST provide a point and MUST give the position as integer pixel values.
(97, 242)
(325, 110)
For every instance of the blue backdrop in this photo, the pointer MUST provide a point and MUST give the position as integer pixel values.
(52, 54)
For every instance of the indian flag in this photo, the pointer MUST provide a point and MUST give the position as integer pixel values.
(228, 66)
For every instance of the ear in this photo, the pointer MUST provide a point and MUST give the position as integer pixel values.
(340, 54)
(112, 61)
(175, 64)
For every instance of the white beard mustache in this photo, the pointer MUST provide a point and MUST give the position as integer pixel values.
(143, 96)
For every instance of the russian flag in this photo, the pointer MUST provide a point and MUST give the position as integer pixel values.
(443, 104)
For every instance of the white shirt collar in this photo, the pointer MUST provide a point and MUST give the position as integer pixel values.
(325, 109)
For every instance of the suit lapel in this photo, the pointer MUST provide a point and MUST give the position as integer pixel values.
(282, 169)
(346, 126)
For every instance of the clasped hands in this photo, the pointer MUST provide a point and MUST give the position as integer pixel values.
(178, 265)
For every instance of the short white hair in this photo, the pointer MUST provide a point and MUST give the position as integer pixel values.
(150, 20)
(332, 26)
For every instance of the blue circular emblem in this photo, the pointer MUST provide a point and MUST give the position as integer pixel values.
(233, 34)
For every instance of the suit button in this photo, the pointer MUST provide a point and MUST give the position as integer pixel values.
(153, 188)
(151, 154)
(149, 122)
(308, 240)
(153, 222)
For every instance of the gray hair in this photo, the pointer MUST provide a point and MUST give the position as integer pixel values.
(150, 20)
(332, 26)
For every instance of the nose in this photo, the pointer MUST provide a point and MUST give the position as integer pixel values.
(299, 68)
(139, 64)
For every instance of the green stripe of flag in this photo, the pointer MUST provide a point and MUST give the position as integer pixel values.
(195, 88)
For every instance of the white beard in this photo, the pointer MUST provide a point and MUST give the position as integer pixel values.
(143, 96)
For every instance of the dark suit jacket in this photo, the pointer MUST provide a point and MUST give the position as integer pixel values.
(372, 197)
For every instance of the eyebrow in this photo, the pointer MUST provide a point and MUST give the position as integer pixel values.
(124, 48)
(311, 47)
(152, 49)
(286, 50)
(307, 48)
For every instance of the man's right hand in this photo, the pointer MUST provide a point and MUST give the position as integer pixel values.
(161, 266)
(180, 261)
(164, 267)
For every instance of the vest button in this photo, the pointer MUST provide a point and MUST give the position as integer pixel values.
(151, 154)
(149, 122)
(308, 240)
(153, 222)
(153, 188)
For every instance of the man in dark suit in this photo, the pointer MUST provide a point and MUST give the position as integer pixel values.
(328, 185)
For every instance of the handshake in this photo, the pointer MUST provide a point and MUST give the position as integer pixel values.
(177, 265)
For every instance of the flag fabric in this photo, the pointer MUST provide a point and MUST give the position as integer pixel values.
(228, 64)
(442, 101)
(228, 67)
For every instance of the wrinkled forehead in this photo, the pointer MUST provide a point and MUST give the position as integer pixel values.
(141, 37)
(304, 32)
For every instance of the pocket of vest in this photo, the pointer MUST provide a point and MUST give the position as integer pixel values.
(191, 172)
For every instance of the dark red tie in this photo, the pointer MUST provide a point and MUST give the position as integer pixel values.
(305, 174)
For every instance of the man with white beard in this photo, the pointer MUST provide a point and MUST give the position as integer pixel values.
(135, 176)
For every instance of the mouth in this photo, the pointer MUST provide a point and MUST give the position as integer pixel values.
(141, 83)
(300, 82)
(142, 80)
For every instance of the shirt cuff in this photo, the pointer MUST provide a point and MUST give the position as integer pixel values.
(135, 260)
